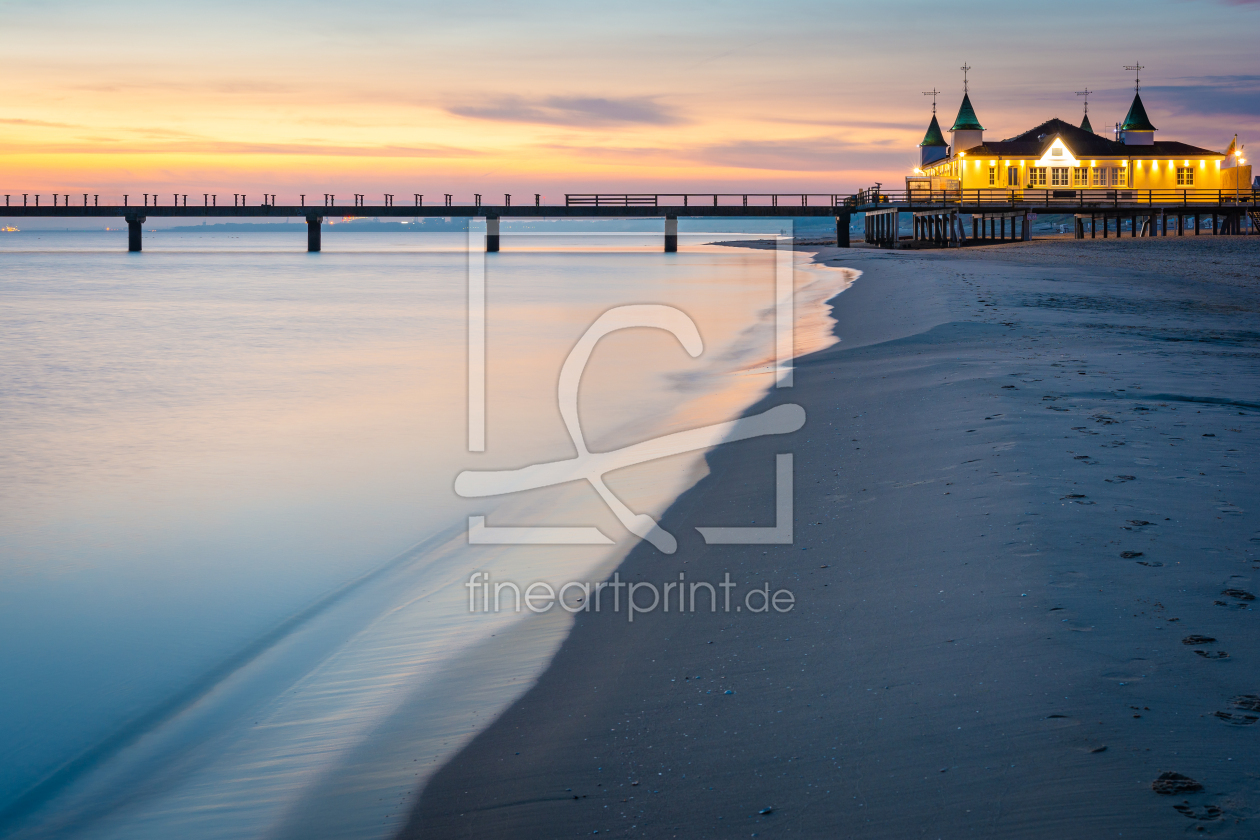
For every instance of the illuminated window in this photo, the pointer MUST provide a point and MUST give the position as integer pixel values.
(1080, 177)
(1036, 176)
(1117, 177)
(1058, 177)
(1185, 176)
(1100, 177)
(992, 176)
(1012, 176)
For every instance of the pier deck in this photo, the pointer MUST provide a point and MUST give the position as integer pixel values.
(936, 213)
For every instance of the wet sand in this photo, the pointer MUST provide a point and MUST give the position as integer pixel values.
(1025, 551)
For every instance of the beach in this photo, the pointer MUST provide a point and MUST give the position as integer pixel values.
(1023, 578)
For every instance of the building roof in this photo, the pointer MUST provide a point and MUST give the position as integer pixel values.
(934, 137)
(1085, 126)
(1136, 119)
(1035, 141)
(966, 120)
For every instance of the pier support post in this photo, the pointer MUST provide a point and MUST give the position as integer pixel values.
(1025, 232)
(1196, 224)
(492, 234)
(671, 234)
(135, 229)
(313, 227)
(842, 230)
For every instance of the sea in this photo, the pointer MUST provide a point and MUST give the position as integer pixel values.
(234, 568)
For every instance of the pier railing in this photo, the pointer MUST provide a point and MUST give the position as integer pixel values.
(707, 200)
(1078, 197)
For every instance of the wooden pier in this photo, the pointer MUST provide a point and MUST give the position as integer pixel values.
(670, 207)
(937, 216)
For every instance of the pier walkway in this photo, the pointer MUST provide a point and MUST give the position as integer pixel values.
(939, 216)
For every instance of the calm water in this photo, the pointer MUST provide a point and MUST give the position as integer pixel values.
(231, 558)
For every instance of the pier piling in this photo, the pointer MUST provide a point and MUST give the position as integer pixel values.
(135, 230)
(314, 227)
(492, 234)
(671, 234)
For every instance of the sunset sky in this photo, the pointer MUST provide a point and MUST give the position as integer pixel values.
(554, 97)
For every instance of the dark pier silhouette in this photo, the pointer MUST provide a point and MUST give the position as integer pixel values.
(936, 214)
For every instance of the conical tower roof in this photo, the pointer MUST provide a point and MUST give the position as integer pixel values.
(934, 137)
(1136, 119)
(966, 120)
(1085, 126)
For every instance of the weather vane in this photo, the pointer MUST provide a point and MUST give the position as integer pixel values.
(932, 93)
(1085, 93)
(964, 68)
(1137, 77)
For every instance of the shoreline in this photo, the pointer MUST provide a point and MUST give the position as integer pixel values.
(968, 640)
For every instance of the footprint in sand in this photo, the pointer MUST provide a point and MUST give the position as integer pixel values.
(1121, 479)
(1240, 594)
(1129, 555)
(1168, 783)
(1250, 702)
(1208, 654)
(1203, 812)
(1197, 640)
(1244, 704)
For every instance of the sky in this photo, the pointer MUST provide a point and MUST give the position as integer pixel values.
(565, 97)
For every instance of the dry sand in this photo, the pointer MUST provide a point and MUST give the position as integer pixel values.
(1022, 490)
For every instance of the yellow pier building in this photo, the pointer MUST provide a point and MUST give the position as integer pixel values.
(1057, 155)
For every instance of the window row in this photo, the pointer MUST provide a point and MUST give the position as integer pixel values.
(1113, 176)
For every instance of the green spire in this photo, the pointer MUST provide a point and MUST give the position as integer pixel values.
(966, 120)
(934, 137)
(1085, 126)
(1136, 120)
